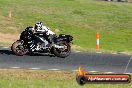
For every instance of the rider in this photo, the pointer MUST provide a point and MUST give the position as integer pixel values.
(40, 28)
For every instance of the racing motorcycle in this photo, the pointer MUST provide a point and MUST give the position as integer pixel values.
(60, 48)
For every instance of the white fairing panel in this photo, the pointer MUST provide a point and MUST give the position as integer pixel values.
(48, 32)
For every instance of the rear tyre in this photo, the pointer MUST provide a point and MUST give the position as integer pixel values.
(18, 48)
(62, 52)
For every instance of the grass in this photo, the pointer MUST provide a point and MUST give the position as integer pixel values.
(80, 18)
(46, 79)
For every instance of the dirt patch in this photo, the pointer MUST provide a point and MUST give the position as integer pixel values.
(76, 48)
(8, 38)
(56, 30)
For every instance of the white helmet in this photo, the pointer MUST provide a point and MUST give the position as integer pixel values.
(38, 26)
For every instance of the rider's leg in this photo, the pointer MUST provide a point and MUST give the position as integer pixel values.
(31, 44)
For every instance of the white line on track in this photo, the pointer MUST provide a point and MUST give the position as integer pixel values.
(114, 53)
(98, 52)
(127, 73)
(108, 72)
(15, 67)
(34, 68)
(77, 51)
(93, 71)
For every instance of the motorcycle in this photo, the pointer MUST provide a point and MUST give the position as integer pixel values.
(60, 48)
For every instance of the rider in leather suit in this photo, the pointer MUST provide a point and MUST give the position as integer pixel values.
(40, 28)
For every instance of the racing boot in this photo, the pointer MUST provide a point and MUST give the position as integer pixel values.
(32, 48)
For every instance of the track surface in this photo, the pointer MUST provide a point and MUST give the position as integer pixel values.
(90, 61)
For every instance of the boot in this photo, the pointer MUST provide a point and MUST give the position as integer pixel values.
(32, 48)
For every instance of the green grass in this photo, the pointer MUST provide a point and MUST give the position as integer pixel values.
(54, 84)
(46, 79)
(80, 18)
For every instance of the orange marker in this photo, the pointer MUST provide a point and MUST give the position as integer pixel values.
(97, 41)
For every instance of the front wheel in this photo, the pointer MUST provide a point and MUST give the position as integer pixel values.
(18, 48)
(62, 52)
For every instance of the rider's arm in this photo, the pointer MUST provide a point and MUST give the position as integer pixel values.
(33, 30)
(48, 31)
(40, 31)
(37, 31)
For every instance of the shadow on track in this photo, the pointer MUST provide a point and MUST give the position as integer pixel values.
(41, 54)
(9, 52)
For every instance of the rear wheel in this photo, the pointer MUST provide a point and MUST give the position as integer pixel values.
(18, 48)
(63, 52)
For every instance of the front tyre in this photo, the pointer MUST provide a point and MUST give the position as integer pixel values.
(18, 48)
(62, 52)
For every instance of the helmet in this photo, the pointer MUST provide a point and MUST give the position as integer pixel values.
(38, 26)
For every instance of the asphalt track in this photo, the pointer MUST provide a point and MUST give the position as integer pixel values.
(93, 62)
